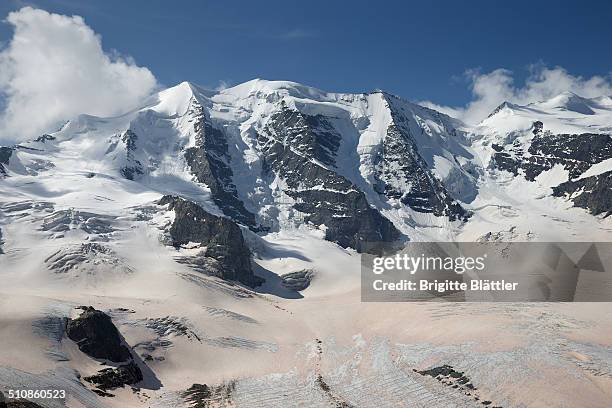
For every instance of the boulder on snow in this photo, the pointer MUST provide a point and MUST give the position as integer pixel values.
(298, 280)
(110, 378)
(97, 336)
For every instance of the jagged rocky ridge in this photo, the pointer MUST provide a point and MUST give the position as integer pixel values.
(5, 155)
(96, 335)
(300, 149)
(209, 162)
(403, 174)
(221, 239)
(593, 193)
(576, 153)
(133, 168)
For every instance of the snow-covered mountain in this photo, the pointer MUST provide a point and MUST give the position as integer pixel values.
(565, 140)
(245, 200)
(274, 155)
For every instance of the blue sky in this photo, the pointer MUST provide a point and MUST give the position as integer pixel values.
(419, 50)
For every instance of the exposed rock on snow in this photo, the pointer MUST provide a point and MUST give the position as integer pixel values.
(297, 281)
(203, 396)
(17, 403)
(45, 138)
(97, 336)
(210, 163)
(5, 155)
(457, 380)
(133, 167)
(111, 378)
(300, 149)
(404, 175)
(221, 238)
(593, 193)
(576, 153)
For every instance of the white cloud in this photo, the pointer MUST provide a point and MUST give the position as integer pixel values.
(54, 68)
(491, 89)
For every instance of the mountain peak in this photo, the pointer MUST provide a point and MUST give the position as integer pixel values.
(175, 101)
(569, 101)
(502, 106)
(258, 87)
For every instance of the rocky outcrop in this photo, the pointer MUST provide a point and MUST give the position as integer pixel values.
(110, 378)
(17, 403)
(5, 155)
(592, 193)
(221, 239)
(300, 149)
(133, 167)
(1, 242)
(96, 335)
(45, 138)
(575, 153)
(404, 175)
(458, 381)
(209, 162)
(204, 396)
(297, 281)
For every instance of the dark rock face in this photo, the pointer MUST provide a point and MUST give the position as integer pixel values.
(403, 174)
(221, 236)
(538, 127)
(297, 281)
(97, 336)
(289, 143)
(500, 107)
(400, 165)
(205, 396)
(209, 162)
(592, 193)
(456, 380)
(134, 168)
(5, 155)
(110, 378)
(1, 242)
(576, 153)
(20, 403)
(45, 138)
